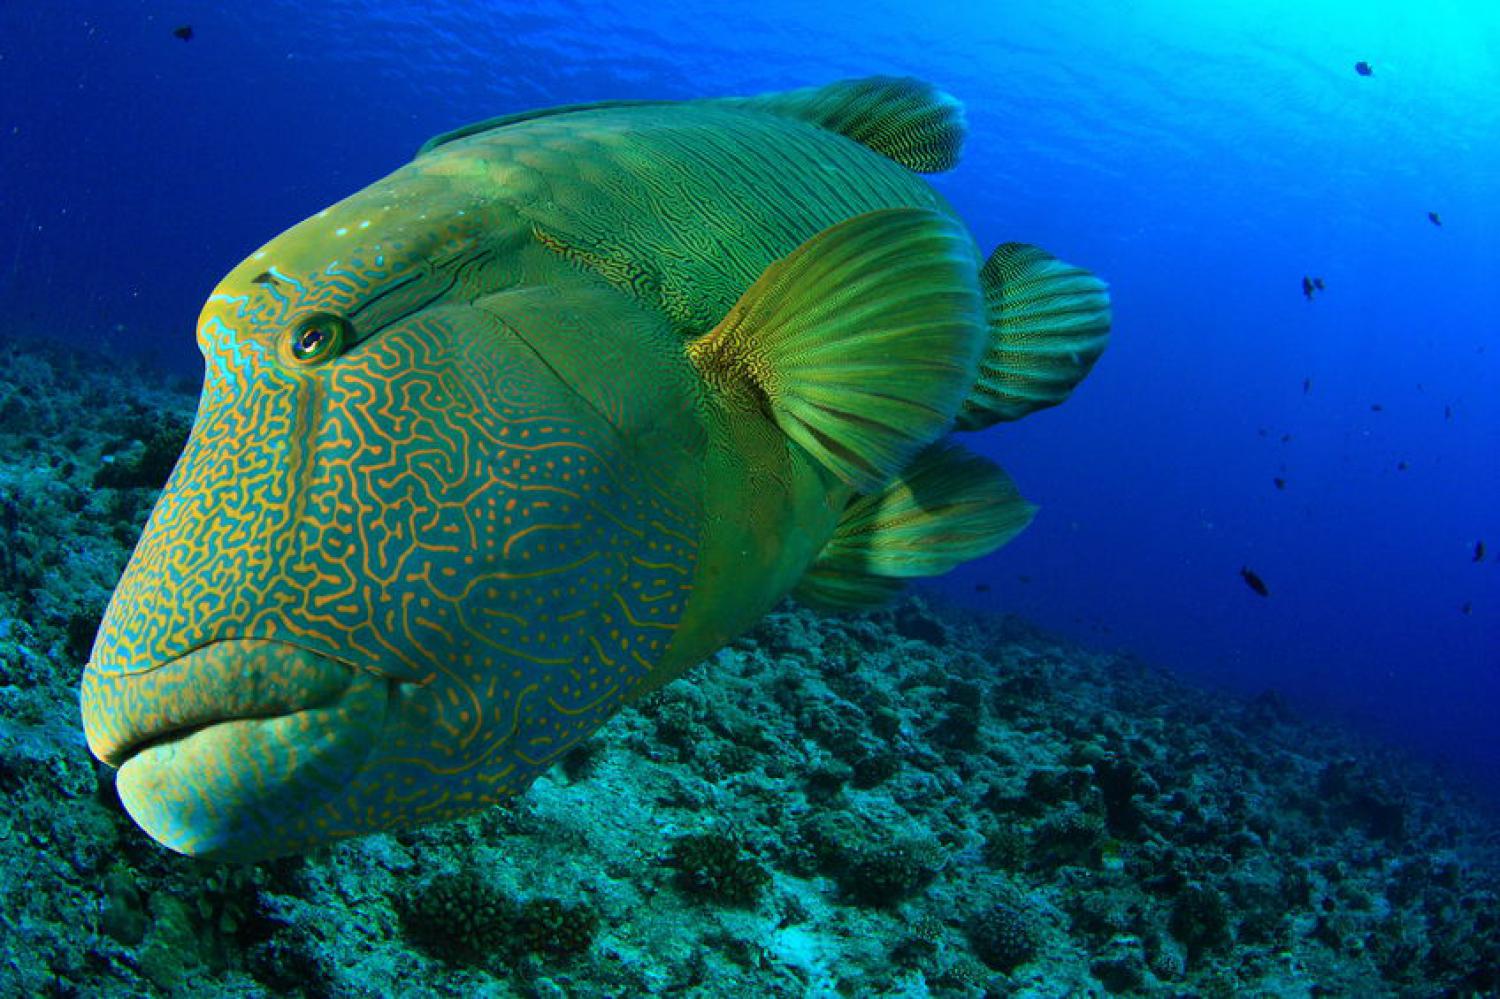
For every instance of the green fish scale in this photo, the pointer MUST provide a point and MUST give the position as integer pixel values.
(687, 210)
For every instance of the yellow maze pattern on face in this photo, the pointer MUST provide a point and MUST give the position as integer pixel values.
(223, 526)
(532, 573)
(432, 507)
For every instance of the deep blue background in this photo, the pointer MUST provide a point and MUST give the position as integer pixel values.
(1200, 161)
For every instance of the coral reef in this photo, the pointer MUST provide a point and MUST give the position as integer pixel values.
(909, 802)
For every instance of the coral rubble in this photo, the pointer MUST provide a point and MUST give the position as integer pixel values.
(910, 802)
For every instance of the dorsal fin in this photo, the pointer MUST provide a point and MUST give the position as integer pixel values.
(490, 124)
(900, 117)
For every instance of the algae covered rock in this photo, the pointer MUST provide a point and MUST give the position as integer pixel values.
(716, 866)
(459, 917)
(1004, 935)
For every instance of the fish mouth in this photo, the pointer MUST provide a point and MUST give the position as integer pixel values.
(223, 750)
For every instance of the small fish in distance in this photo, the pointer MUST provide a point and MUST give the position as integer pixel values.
(1435, 218)
(185, 33)
(1254, 581)
(1306, 386)
(1376, 407)
(981, 587)
(1479, 550)
(1363, 68)
(1280, 482)
(1307, 287)
(1318, 283)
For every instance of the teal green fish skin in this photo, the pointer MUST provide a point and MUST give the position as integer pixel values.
(503, 507)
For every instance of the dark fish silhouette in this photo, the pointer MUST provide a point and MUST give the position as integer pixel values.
(1306, 385)
(1254, 582)
(185, 33)
(1402, 466)
(1468, 607)
(1280, 482)
(1434, 218)
(1363, 68)
(1286, 438)
(1447, 412)
(981, 587)
(1376, 407)
(1479, 550)
(1307, 287)
(1318, 283)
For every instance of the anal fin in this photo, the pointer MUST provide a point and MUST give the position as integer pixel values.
(949, 507)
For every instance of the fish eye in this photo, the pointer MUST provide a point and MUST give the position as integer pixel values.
(316, 337)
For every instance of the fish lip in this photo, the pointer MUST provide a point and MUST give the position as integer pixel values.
(223, 681)
(247, 788)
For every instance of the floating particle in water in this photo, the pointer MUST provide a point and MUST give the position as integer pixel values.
(1402, 466)
(1286, 438)
(1468, 607)
(1376, 407)
(981, 587)
(1280, 482)
(185, 33)
(1306, 385)
(1363, 68)
(1447, 412)
(1254, 581)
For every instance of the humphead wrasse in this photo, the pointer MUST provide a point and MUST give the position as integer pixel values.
(537, 422)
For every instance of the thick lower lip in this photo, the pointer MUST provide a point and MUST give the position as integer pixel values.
(251, 788)
(125, 712)
(234, 750)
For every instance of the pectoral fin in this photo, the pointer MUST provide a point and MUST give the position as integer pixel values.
(861, 344)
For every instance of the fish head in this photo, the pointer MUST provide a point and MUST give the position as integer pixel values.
(375, 590)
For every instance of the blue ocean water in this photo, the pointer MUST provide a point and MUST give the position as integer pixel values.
(1201, 158)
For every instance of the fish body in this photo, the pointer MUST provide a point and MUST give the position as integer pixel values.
(535, 423)
(1252, 579)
